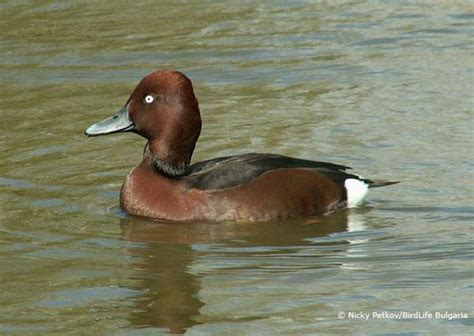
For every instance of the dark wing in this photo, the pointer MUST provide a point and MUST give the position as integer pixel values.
(231, 171)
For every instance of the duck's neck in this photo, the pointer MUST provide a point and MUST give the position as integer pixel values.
(172, 166)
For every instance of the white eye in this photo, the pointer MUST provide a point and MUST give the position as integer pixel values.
(149, 99)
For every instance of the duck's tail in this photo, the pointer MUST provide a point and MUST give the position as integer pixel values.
(380, 183)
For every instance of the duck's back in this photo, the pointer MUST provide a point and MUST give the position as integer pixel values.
(231, 171)
(269, 186)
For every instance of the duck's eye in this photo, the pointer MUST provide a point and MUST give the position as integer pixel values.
(149, 99)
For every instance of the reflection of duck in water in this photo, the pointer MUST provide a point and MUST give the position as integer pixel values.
(170, 291)
(164, 110)
(165, 262)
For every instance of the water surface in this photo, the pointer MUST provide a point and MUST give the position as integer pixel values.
(385, 87)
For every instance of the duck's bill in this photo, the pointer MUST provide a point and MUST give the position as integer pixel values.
(119, 122)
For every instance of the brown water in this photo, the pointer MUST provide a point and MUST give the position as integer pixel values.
(385, 87)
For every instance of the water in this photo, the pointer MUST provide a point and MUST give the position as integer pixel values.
(385, 87)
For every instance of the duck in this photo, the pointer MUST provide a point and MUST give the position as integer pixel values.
(163, 109)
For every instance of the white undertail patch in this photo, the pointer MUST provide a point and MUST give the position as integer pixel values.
(356, 191)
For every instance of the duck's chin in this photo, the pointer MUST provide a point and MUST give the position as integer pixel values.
(171, 170)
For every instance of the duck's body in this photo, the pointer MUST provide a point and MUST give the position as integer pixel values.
(252, 187)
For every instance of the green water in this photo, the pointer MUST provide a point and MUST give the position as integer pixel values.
(383, 86)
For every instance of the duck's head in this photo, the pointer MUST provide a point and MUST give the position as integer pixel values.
(164, 110)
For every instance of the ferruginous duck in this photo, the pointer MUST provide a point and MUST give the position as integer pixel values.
(248, 187)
